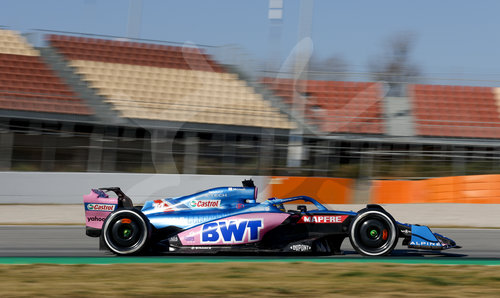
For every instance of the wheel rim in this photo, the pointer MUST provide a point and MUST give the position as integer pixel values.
(373, 233)
(125, 233)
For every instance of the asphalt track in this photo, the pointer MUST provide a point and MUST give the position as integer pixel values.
(478, 245)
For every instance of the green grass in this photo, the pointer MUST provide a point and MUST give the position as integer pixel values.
(298, 279)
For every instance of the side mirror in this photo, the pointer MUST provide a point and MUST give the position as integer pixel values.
(302, 208)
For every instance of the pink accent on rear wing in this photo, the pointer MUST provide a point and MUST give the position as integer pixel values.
(97, 209)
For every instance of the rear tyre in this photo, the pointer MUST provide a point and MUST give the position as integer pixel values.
(126, 232)
(373, 233)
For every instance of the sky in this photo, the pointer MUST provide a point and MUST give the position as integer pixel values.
(453, 38)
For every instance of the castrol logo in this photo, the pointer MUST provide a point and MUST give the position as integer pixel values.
(205, 204)
(101, 207)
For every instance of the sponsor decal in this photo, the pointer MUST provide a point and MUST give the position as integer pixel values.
(217, 194)
(205, 204)
(425, 243)
(232, 231)
(162, 205)
(100, 193)
(323, 219)
(406, 232)
(95, 218)
(200, 247)
(300, 247)
(101, 207)
(173, 238)
(189, 238)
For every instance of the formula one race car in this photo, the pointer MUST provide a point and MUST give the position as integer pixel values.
(229, 219)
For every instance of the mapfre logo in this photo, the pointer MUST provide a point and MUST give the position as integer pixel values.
(205, 204)
(323, 219)
(101, 207)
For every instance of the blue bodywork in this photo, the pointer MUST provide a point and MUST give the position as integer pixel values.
(183, 212)
(423, 238)
(227, 197)
(178, 222)
(232, 201)
(204, 206)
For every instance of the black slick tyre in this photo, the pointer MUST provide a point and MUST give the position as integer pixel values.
(126, 232)
(373, 232)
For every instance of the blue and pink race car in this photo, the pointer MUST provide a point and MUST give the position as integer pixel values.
(229, 219)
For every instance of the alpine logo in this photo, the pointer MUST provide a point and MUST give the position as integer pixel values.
(232, 231)
(205, 204)
(323, 219)
(425, 243)
(100, 207)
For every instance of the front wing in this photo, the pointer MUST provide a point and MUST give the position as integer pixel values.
(421, 237)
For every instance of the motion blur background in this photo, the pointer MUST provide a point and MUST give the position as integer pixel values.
(366, 90)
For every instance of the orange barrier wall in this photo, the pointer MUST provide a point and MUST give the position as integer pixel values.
(397, 191)
(480, 189)
(324, 190)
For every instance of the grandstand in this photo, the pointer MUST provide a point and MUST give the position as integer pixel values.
(456, 111)
(61, 120)
(28, 84)
(335, 107)
(168, 83)
(357, 107)
(108, 104)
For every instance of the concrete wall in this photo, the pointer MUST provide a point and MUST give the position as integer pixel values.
(68, 188)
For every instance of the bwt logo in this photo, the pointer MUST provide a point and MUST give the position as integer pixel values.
(232, 231)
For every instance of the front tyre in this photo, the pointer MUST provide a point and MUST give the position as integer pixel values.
(373, 232)
(126, 232)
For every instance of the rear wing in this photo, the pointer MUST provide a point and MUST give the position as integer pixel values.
(123, 199)
(98, 206)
